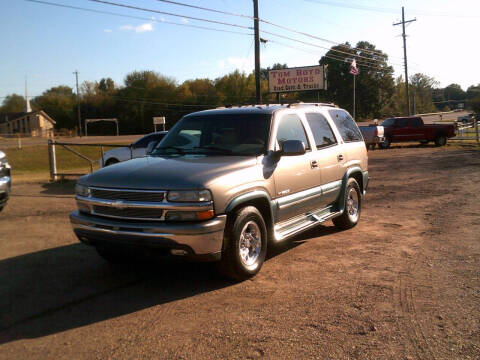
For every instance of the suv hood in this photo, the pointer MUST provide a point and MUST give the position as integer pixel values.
(167, 173)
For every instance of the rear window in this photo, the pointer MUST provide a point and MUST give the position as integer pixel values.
(346, 126)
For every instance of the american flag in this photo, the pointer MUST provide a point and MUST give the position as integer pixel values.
(353, 68)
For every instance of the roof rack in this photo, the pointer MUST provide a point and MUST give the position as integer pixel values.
(300, 103)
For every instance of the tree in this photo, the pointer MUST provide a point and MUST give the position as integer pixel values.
(473, 91)
(59, 102)
(422, 93)
(374, 84)
(475, 104)
(13, 103)
(236, 88)
(454, 92)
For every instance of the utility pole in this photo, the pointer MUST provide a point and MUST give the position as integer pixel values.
(78, 106)
(403, 22)
(258, 89)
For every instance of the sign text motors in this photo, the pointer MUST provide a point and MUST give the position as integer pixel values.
(297, 79)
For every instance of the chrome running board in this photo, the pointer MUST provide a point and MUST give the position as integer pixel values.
(291, 227)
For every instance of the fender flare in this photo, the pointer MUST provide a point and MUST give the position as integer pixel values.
(249, 196)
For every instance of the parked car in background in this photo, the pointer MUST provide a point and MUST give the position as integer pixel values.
(5, 180)
(468, 119)
(136, 150)
(226, 183)
(372, 135)
(412, 128)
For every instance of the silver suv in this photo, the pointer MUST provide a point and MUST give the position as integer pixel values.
(251, 178)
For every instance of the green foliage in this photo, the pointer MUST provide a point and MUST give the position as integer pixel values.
(13, 103)
(374, 84)
(454, 92)
(473, 91)
(474, 104)
(145, 94)
(58, 102)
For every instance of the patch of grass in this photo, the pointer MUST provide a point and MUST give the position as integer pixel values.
(34, 159)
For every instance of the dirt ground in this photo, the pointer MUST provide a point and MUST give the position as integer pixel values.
(403, 284)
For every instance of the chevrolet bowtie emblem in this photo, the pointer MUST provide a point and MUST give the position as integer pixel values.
(119, 204)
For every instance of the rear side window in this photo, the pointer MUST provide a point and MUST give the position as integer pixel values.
(291, 128)
(401, 123)
(346, 126)
(321, 130)
(415, 122)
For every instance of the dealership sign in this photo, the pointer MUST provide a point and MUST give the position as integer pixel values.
(298, 79)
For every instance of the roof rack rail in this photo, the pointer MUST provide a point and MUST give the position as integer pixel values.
(300, 103)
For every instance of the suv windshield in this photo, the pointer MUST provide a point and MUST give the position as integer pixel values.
(218, 134)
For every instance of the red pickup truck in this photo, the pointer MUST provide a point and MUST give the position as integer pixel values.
(412, 128)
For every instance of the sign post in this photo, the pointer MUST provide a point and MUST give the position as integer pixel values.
(159, 120)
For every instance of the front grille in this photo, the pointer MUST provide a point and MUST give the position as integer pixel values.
(132, 213)
(144, 196)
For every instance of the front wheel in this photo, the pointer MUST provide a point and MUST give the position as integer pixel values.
(245, 244)
(352, 206)
(440, 140)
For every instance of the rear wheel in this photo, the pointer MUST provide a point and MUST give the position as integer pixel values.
(386, 143)
(423, 142)
(245, 244)
(111, 162)
(440, 140)
(352, 206)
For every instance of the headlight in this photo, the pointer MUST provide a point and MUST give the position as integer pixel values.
(189, 196)
(3, 161)
(82, 190)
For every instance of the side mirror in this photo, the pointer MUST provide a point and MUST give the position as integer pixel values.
(293, 147)
(151, 145)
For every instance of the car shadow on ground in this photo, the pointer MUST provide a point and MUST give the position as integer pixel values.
(62, 187)
(66, 287)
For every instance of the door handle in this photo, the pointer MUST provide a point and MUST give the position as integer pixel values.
(314, 164)
(340, 157)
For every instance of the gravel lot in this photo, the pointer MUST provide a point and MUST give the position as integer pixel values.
(403, 284)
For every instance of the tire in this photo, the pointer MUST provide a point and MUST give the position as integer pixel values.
(1, 207)
(111, 162)
(372, 146)
(440, 140)
(386, 144)
(352, 207)
(244, 244)
(423, 142)
(113, 256)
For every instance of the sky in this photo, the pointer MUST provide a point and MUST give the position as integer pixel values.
(46, 44)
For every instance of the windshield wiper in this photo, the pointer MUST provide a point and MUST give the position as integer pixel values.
(177, 148)
(214, 148)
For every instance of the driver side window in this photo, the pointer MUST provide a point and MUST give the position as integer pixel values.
(291, 128)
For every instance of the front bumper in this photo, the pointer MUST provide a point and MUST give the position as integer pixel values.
(199, 240)
(5, 185)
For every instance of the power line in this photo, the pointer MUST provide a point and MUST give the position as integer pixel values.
(385, 10)
(136, 17)
(206, 9)
(360, 63)
(169, 14)
(269, 23)
(322, 47)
